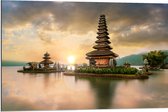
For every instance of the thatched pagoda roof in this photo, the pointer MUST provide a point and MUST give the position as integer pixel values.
(102, 27)
(102, 36)
(102, 46)
(102, 15)
(101, 53)
(102, 32)
(102, 24)
(103, 40)
(46, 56)
(46, 62)
(46, 59)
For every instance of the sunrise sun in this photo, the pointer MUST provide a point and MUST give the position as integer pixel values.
(71, 59)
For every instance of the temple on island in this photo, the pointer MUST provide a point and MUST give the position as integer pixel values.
(102, 55)
(45, 66)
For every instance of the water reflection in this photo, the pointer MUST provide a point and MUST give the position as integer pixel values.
(44, 92)
(46, 80)
(104, 90)
(46, 77)
(58, 92)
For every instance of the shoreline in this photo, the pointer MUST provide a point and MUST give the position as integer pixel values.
(35, 71)
(116, 76)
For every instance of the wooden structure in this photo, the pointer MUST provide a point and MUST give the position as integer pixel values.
(102, 55)
(46, 62)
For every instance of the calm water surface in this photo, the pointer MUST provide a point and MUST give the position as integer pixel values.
(24, 91)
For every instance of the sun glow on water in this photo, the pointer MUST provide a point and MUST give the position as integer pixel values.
(71, 67)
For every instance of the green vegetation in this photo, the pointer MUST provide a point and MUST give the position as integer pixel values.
(117, 70)
(155, 58)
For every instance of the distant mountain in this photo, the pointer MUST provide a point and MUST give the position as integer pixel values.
(136, 59)
(12, 63)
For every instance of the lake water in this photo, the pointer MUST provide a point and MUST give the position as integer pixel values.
(24, 91)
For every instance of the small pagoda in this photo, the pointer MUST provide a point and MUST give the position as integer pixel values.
(101, 56)
(46, 62)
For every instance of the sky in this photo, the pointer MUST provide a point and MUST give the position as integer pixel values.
(31, 28)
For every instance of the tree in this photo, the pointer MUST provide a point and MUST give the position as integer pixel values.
(155, 58)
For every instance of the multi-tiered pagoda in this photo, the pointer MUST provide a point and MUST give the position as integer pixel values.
(102, 54)
(46, 62)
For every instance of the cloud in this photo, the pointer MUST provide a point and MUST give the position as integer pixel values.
(142, 34)
(84, 16)
(58, 25)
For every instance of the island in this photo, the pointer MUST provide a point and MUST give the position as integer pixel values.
(102, 62)
(42, 67)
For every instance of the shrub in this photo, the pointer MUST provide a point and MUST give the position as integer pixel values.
(116, 70)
